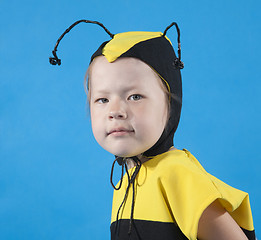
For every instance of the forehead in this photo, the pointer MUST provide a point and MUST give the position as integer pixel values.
(123, 70)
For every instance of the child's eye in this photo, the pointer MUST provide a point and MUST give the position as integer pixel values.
(102, 100)
(135, 97)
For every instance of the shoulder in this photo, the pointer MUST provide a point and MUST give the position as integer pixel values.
(175, 163)
(182, 177)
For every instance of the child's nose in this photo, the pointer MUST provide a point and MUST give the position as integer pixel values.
(117, 111)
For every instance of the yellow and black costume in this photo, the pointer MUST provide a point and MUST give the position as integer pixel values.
(171, 190)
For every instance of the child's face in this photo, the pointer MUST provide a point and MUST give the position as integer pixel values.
(128, 106)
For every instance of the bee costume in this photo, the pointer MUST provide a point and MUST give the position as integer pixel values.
(171, 190)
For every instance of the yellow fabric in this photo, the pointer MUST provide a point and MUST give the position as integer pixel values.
(122, 42)
(174, 188)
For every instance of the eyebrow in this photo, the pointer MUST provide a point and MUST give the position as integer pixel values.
(103, 91)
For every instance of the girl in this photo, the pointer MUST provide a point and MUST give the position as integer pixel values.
(135, 98)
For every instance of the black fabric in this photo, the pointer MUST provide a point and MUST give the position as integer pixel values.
(250, 234)
(146, 230)
(159, 54)
(98, 52)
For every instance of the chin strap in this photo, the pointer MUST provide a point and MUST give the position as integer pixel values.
(131, 180)
(55, 60)
(178, 61)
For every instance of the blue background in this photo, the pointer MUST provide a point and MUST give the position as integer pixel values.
(54, 178)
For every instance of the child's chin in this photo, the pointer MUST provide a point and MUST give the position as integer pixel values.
(124, 154)
(126, 150)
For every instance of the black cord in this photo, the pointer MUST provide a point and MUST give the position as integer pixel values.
(55, 60)
(124, 199)
(131, 180)
(178, 61)
(122, 171)
(133, 177)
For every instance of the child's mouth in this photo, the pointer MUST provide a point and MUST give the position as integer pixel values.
(120, 132)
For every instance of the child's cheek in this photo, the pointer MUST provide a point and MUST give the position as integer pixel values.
(96, 124)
